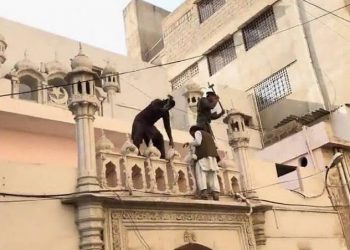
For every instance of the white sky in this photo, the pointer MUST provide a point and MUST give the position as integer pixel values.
(96, 22)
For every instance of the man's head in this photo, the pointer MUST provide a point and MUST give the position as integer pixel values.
(194, 128)
(212, 97)
(169, 103)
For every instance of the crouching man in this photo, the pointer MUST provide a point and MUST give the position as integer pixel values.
(206, 166)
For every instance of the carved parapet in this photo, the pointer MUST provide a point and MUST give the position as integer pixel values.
(128, 147)
(151, 151)
(104, 144)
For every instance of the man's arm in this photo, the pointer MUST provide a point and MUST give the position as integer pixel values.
(215, 115)
(166, 122)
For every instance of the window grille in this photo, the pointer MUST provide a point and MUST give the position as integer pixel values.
(206, 8)
(261, 27)
(272, 89)
(184, 18)
(179, 80)
(221, 56)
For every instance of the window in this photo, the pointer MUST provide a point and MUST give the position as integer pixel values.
(260, 28)
(206, 8)
(179, 80)
(221, 56)
(272, 89)
(288, 176)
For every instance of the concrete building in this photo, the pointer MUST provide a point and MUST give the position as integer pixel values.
(71, 178)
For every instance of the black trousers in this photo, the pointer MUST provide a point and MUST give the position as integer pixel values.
(141, 131)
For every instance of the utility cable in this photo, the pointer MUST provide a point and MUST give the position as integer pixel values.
(327, 11)
(176, 61)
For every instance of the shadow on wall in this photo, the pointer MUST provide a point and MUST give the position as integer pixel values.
(275, 113)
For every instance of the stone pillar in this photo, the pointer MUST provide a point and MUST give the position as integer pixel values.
(83, 103)
(239, 137)
(15, 86)
(193, 94)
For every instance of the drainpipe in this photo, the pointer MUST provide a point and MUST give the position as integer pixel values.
(312, 55)
(309, 149)
(344, 178)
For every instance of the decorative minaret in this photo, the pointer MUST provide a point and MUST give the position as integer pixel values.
(111, 85)
(3, 46)
(83, 103)
(238, 136)
(193, 94)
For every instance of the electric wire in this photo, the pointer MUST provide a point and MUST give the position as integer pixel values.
(176, 61)
(327, 11)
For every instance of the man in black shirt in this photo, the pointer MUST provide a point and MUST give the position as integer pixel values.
(204, 114)
(143, 126)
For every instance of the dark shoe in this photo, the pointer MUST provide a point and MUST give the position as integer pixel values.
(204, 194)
(216, 196)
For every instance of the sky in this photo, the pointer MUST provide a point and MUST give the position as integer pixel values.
(96, 22)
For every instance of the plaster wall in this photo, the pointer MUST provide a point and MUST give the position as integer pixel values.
(37, 224)
(143, 26)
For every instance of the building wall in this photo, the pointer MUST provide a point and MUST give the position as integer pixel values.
(37, 224)
(143, 28)
(287, 48)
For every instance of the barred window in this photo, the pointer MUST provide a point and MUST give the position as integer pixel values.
(206, 8)
(261, 27)
(272, 89)
(179, 80)
(221, 56)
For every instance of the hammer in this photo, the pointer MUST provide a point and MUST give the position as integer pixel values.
(211, 86)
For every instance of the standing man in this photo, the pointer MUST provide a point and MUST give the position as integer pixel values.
(206, 167)
(204, 111)
(143, 126)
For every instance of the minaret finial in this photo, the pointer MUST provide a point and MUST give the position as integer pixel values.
(80, 49)
(26, 54)
(56, 56)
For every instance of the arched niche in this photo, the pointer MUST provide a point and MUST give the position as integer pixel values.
(57, 80)
(28, 83)
(193, 246)
(111, 174)
(160, 180)
(235, 185)
(182, 182)
(136, 176)
(29, 80)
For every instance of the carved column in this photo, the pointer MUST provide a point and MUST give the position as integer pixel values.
(239, 140)
(84, 104)
(193, 94)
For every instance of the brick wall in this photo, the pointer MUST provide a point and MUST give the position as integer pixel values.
(183, 30)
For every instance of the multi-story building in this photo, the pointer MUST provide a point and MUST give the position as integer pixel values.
(80, 184)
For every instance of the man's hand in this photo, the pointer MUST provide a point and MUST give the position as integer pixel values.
(187, 144)
(171, 143)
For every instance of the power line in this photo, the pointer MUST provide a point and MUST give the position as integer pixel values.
(176, 61)
(327, 11)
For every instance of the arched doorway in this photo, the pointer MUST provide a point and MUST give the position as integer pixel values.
(193, 246)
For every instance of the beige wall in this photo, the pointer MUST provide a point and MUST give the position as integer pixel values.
(143, 27)
(44, 224)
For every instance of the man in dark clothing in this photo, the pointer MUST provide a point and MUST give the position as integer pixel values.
(204, 114)
(143, 126)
